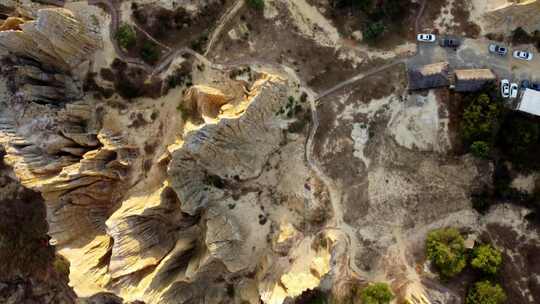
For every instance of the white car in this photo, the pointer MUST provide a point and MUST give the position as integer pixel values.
(426, 37)
(505, 88)
(514, 88)
(523, 55)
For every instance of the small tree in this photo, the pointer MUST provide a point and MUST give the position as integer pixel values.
(480, 149)
(256, 4)
(446, 249)
(150, 52)
(126, 36)
(485, 292)
(378, 293)
(487, 259)
(373, 31)
(480, 119)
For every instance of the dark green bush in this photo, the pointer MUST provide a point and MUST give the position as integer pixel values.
(446, 249)
(256, 4)
(126, 36)
(485, 292)
(377, 293)
(480, 119)
(520, 140)
(481, 201)
(373, 31)
(480, 149)
(487, 259)
(150, 52)
(363, 5)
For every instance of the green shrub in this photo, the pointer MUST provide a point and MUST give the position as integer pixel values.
(480, 149)
(481, 201)
(364, 5)
(184, 112)
(487, 259)
(446, 249)
(378, 293)
(61, 265)
(480, 119)
(486, 293)
(150, 52)
(256, 4)
(373, 31)
(126, 36)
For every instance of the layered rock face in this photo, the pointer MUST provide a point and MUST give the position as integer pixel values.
(229, 219)
(216, 195)
(55, 39)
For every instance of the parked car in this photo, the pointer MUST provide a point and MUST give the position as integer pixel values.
(505, 88)
(534, 86)
(523, 55)
(525, 84)
(450, 42)
(514, 89)
(497, 49)
(426, 37)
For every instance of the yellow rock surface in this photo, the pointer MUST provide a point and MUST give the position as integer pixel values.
(11, 24)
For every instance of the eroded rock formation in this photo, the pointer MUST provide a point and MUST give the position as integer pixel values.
(212, 197)
(205, 227)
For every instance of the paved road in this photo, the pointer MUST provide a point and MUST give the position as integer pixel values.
(473, 53)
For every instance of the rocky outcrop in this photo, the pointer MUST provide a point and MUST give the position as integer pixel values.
(55, 39)
(204, 101)
(32, 274)
(196, 230)
(209, 195)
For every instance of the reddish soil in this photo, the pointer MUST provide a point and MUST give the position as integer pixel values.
(461, 17)
(179, 28)
(281, 44)
(349, 19)
(520, 270)
(129, 81)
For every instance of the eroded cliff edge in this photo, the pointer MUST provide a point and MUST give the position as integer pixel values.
(208, 194)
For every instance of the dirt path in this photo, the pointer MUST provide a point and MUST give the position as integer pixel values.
(419, 16)
(112, 7)
(222, 22)
(173, 53)
(336, 195)
(358, 77)
(168, 48)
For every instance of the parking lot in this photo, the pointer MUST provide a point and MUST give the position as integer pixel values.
(473, 53)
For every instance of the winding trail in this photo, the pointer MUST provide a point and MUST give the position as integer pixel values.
(335, 195)
(222, 22)
(112, 7)
(173, 53)
(339, 226)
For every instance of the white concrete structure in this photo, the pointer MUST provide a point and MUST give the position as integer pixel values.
(530, 102)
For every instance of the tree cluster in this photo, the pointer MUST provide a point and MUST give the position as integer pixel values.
(446, 250)
(126, 37)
